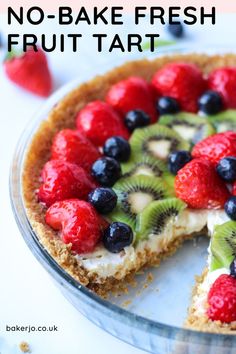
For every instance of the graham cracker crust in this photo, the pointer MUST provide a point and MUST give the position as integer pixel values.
(63, 116)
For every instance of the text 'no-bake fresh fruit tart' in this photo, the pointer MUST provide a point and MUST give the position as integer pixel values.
(129, 165)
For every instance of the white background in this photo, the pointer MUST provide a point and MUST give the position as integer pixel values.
(27, 295)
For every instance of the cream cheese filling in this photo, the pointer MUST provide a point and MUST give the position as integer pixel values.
(105, 264)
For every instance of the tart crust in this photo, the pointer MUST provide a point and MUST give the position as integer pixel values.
(63, 116)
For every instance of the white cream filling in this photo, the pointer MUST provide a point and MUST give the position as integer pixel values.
(105, 263)
(185, 131)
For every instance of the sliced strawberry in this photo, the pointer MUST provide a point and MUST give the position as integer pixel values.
(132, 94)
(79, 222)
(222, 299)
(216, 146)
(98, 121)
(198, 185)
(30, 71)
(223, 81)
(70, 145)
(182, 81)
(63, 180)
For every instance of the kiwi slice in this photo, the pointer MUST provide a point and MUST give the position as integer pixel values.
(146, 165)
(156, 141)
(157, 217)
(224, 121)
(223, 245)
(134, 194)
(191, 127)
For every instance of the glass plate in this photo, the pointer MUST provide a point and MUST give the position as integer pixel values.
(150, 316)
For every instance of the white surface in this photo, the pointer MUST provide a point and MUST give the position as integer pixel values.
(27, 295)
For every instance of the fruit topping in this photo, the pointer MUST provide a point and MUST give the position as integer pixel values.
(223, 245)
(210, 102)
(157, 217)
(70, 145)
(145, 165)
(134, 194)
(232, 268)
(191, 127)
(63, 180)
(199, 185)
(156, 141)
(78, 222)
(167, 105)
(226, 169)
(133, 93)
(118, 148)
(216, 147)
(136, 119)
(224, 121)
(103, 199)
(177, 160)
(181, 81)
(223, 81)
(176, 29)
(106, 171)
(222, 299)
(98, 121)
(230, 207)
(117, 236)
(30, 71)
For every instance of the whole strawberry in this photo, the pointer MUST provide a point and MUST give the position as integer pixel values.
(63, 180)
(216, 146)
(70, 145)
(223, 81)
(79, 223)
(98, 121)
(198, 185)
(182, 81)
(222, 299)
(30, 71)
(132, 94)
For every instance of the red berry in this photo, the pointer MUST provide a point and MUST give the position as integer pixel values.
(222, 299)
(98, 121)
(182, 81)
(131, 94)
(63, 180)
(79, 223)
(223, 81)
(69, 145)
(30, 71)
(216, 146)
(198, 185)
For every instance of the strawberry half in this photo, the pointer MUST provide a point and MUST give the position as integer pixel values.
(71, 146)
(98, 121)
(182, 81)
(30, 71)
(198, 185)
(79, 223)
(63, 180)
(131, 94)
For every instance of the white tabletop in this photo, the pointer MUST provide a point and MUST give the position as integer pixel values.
(28, 296)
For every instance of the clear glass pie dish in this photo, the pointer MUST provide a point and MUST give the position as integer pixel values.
(151, 315)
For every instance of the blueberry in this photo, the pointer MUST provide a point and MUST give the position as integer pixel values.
(103, 199)
(233, 268)
(177, 160)
(210, 103)
(176, 30)
(226, 168)
(136, 119)
(106, 171)
(167, 105)
(117, 236)
(118, 148)
(230, 207)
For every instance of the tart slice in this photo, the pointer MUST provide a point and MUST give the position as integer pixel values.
(125, 169)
